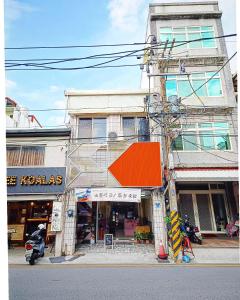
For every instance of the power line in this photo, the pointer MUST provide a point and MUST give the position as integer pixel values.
(102, 45)
(71, 69)
(115, 59)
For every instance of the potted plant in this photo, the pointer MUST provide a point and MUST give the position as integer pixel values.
(138, 237)
(150, 237)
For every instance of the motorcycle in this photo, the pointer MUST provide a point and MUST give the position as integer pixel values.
(191, 231)
(35, 245)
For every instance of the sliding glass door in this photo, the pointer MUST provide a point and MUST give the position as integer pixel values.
(206, 209)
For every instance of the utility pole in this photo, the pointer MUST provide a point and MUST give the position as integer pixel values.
(166, 129)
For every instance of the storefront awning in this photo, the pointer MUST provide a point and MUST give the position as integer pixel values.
(207, 175)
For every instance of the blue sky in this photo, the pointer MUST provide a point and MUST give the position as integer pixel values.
(75, 22)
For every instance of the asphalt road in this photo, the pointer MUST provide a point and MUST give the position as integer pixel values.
(140, 282)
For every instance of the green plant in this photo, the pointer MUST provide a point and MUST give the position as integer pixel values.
(138, 236)
(145, 236)
(167, 220)
(150, 236)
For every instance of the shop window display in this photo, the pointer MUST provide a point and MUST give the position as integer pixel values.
(25, 216)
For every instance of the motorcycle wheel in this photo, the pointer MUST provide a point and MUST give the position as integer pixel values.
(42, 254)
(32, 261)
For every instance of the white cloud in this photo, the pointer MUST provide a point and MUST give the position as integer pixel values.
(55, 88)
(10, 84)
(126, 15)
(14, 9)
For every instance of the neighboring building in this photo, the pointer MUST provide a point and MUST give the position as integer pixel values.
(104, 124)
(205, 152)
(235, 85)
(18, 117)
(36, 173)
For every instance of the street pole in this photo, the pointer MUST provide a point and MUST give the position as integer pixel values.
(167, 136)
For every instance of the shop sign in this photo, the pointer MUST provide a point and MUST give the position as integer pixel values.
(36, 180)
(107, 194)
(56, 216)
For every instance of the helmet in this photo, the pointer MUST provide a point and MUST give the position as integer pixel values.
(41, 226)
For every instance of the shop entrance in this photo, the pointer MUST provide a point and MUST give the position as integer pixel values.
(94, 219)
(207, 209)
(120, 219)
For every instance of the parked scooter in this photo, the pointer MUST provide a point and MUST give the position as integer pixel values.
(191, 231)
(35, 245)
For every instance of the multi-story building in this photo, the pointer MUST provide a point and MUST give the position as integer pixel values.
(36, 173)
(104, 124)
(205, 153)
(18, 116)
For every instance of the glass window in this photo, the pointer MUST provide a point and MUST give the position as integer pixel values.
(188, 34)
(171, 87)
(193, 28)
(204, 125)
(221, 124)
(203, 90)
(179, 29)
(180, 39)
(206, 140)
(85, 129)
(143, 129)
(90, 129)
(166, 36)
(222, 141)
(177, 143)
(129, 127)
(210, 43)
(165, 29)
(184, 88)
(99, 130)
(214, 87)
(190, 141)
(195, 36)
(187, 126)
(206, 28)
(197, 75)
(210, 74)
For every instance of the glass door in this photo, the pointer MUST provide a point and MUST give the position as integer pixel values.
(186, 206)
(204, 212)
(220, 215)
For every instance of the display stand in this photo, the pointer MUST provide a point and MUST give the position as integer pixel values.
(108, 240)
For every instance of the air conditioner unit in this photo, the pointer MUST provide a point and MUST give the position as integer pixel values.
(112, 135)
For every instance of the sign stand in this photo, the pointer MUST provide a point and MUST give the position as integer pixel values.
(108, 240)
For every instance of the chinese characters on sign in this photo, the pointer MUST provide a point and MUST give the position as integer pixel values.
(105, 194)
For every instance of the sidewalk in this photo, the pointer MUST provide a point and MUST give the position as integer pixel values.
(109, 256)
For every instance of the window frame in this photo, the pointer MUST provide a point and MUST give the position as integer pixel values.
(198, 131)
(93, 139)
(136, 126)
(178, 78)
(188, 32)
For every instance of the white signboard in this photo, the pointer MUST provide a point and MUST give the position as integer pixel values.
(56, 216)
(107, 194)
